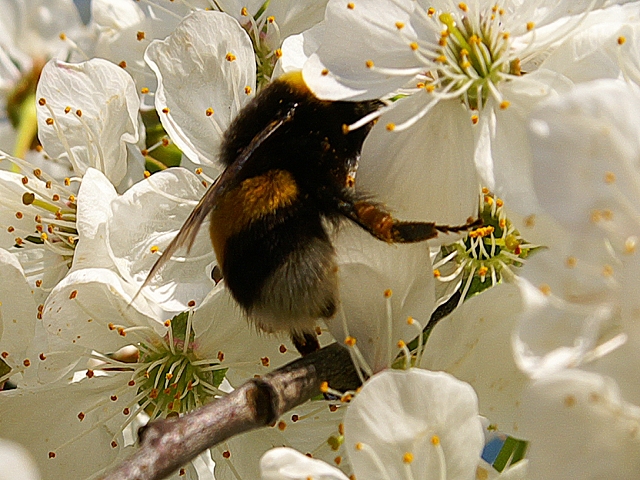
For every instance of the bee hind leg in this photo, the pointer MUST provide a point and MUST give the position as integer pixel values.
(378, 222)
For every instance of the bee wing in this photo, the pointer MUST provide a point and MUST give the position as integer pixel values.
(187, 234)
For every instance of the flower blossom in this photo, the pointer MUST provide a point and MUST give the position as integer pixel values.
(411, 424)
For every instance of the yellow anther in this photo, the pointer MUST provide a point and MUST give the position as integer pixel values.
(609, 177)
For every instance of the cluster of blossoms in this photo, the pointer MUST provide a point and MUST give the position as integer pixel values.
(524, 113)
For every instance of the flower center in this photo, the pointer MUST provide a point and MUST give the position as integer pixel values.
(44, 210)
(265, 36)
(471, 56)
(171, 378)
(487, 252)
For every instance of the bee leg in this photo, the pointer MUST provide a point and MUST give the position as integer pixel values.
(379, 223)
(305, 342)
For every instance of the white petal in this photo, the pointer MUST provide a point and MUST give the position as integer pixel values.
(581, 139)
(160, 205)
(116, 14)
(107, 98)
(35, 27)
(17, 310)
(16, 463)
(426, 172)
(85, 307)
(218, 325)
(194, 75)
(296, 50)
(369, 30)
(45, 419)
(368, 268)
(580, 427)
(400, 412)
(288, 464)
(553, 334)
(94, 210)
(295, 16)
(510, 150)
(244, 453)
(481, 353)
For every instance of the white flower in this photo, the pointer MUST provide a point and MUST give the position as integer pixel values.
(127, 367)
(383, 288)
(18, 314)
(87, 115)
(580, 427)
(585, 145)
(206, 74)
(125, 28)
(410, 424)
(109, 239)
(34, 27)
(474, 344)
(442, 57)
(31, 32)
(580, 296)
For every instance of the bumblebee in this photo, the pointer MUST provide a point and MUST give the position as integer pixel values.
(290, 175)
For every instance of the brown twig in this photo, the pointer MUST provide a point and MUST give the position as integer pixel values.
(168, 444)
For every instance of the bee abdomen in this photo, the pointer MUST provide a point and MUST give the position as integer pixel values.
(283, 265)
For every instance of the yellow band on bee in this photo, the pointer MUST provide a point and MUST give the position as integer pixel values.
(253, 199)
(295, 80)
